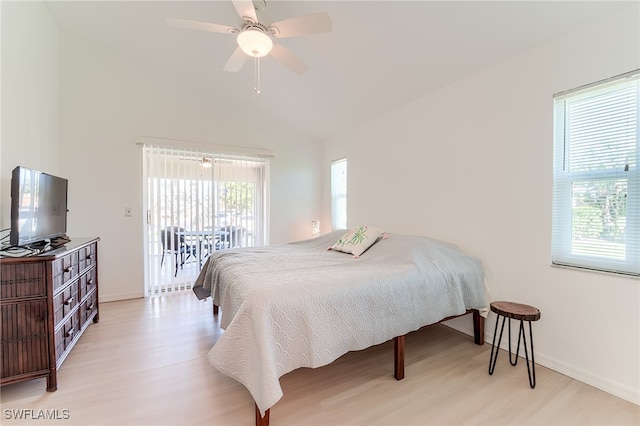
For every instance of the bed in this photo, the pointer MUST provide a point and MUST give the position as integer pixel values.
(303, 305)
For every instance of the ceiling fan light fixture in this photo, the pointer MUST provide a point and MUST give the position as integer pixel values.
(255, 43)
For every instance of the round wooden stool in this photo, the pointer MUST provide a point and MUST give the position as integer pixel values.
(523, 313)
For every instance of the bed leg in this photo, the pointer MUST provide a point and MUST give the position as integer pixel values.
(398, 347)
(215, 309)
(262, 421)
(478, 327)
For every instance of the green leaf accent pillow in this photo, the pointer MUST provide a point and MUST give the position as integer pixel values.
(358, 240)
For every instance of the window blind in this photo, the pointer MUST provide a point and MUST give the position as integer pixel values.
(596, 178)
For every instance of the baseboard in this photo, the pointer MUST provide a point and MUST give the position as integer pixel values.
(118, 297)
(587, 377)
(614, 388)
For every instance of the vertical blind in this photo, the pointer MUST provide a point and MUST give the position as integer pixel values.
(212, 201)
(596, 204)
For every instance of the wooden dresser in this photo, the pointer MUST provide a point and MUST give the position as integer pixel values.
(46, 303)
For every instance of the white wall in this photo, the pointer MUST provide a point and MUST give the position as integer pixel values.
(472, 164)
(29, 94)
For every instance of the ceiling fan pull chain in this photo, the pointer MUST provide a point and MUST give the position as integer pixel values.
(256, 74)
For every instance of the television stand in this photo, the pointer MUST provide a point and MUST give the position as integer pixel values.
(46, 303)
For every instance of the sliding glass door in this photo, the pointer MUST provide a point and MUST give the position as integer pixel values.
(197, 203)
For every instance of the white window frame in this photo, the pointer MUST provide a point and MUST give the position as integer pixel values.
(339, 194)
(565, 251)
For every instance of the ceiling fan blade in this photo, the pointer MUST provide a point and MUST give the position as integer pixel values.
(289, 59)
(301, 25)
(236, 61)
(200, 26)
(245, 9)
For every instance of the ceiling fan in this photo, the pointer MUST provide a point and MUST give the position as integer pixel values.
(256, 37)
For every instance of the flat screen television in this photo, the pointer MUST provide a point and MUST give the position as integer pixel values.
(38, 207)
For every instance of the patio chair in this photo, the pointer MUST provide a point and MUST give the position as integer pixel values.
(174, 243)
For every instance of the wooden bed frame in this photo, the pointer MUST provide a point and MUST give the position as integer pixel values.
(398, 350)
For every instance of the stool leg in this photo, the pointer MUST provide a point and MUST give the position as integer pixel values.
(518, 347)
(530, 371)
(492, 359)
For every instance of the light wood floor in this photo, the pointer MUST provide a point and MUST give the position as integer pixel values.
(145, 363)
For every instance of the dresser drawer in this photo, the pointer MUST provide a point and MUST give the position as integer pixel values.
(22, 280)
(88, 307)
(87, 257)
(88, 282)
(65, 335)
(64, 270)
(64, 302)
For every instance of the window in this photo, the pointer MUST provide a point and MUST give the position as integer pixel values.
(339, 194)
(596, 176)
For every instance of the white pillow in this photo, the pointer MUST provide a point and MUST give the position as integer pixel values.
(358, 240)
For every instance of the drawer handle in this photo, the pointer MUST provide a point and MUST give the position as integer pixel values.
(67, 269)
(70, 333)
(90, 306)
(68, 301)
(89, 256)
(90, 281)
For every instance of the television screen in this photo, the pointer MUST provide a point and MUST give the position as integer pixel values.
(38, 206)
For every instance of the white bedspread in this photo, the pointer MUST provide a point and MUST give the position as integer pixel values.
(300, 305)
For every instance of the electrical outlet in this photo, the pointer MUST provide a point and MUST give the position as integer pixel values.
(127, 211)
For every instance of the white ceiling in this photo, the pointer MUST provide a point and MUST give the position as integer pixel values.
(379, 55)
